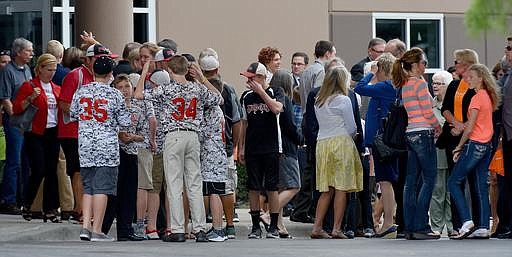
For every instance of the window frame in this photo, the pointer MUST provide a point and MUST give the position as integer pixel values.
(66, 10)
(414, 16)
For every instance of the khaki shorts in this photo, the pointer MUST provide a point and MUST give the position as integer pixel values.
(145, 158)
(158, 173)
(232, 176)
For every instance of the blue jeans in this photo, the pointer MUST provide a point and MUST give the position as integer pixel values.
(421, 174)
(474, 157)
(14, 144)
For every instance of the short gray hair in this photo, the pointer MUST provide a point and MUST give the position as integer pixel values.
(20, 44)
(445, 76)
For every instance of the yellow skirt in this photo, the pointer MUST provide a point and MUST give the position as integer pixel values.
(338, 165)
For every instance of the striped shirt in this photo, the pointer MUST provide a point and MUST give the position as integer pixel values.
(418, 102)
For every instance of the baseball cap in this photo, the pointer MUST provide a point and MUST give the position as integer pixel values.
(164, 54)
(160, 77)
(97, 50)
(209, 63)
(103, 65)
(5, 52)
(254, 69)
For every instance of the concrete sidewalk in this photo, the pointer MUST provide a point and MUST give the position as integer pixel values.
(15, 228)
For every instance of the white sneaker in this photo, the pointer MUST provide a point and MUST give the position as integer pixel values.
(480, 233)
(466, 227)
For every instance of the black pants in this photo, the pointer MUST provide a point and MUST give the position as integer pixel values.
(505, 190)
(123, 206)
(362, 199)
(304, 206)
(398, 188)
(43, 156)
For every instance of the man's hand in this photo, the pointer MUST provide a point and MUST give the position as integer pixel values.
(88, 38)
(196, 73)
(255, 86)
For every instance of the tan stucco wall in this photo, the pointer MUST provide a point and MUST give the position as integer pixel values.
(111, 21)
(436, 6)
(239, 29)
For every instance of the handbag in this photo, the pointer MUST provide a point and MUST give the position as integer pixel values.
(23, 121)
(382, 152)
(396, 124)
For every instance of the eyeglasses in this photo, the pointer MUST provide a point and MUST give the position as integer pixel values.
(508, 48)
(297, 64)
(456, 62)
(379, 52)
(438, 83)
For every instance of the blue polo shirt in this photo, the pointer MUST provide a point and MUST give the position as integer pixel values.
(11, 79)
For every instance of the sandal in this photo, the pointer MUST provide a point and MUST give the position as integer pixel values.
(338, 235)
(320, 235)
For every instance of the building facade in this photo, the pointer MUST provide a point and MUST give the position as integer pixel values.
(238, 29)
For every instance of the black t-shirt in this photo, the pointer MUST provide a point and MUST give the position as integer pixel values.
(231, 110)
(263, 134)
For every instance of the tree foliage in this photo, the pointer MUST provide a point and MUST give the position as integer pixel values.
(485, 15)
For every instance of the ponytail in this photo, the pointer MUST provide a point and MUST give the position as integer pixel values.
(398, 74)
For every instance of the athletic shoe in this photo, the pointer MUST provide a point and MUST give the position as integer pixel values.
(273, 233)
(201, 237)
(230, 232)
(95, 237)
(85, 234)
(216, 235)
(480, 233)
(235, 217)
(139, 230)
(255, 233)
(368, 233)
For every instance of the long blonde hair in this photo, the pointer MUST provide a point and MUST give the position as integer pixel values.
(488, 83)
(336, 82)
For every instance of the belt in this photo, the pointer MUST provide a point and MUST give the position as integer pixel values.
(181, 129)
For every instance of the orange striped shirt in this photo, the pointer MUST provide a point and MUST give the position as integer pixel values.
(418, 102)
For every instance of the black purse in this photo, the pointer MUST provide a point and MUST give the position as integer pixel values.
(23, 121)
(396, 124)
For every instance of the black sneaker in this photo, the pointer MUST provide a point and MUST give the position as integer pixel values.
(256, 233)
(10, 209)
(201, 237)
(350, 234)
(273, 233)
(174, 237)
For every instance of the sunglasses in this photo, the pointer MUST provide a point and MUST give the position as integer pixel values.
(456, 62)
(424, 62)
(508, 48)
(5, 52)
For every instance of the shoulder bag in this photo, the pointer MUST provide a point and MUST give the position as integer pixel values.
(396, 124)
(23, 121)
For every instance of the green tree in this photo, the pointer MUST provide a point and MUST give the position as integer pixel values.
(485, 15)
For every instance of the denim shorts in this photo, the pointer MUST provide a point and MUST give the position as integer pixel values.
(99, 180)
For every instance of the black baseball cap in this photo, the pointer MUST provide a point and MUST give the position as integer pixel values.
(103, 65)
(98, 50)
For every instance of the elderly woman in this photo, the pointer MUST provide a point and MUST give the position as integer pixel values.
(382, 94)
(338, 167)
(455, 109)
(41, 142)
(440, 212)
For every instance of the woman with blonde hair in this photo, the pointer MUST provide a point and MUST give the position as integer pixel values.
(339, 168)
(41, 142)
(382, 94)
(473, 153)
(420, 132)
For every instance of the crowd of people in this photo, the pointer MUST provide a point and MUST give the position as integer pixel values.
(152, 140)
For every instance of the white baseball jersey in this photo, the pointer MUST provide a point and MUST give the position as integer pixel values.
(100, 111)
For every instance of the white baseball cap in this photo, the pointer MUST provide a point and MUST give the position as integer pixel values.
(209, 63)
(160, 77)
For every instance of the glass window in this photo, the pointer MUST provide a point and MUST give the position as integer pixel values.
(388, 29)
(72, 28)
(22, 24)
(140, 3)
(57, 26)
(71, 2)
(57, 2)
(140, 27)
(425, 35)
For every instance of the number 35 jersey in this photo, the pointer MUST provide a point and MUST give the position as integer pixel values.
(100, 111)
(183, 104)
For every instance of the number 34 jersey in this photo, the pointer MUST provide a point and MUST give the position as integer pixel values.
(100, 111)
(183, 104)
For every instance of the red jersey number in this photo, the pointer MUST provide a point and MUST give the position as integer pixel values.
(100, 113)
(185, 110)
